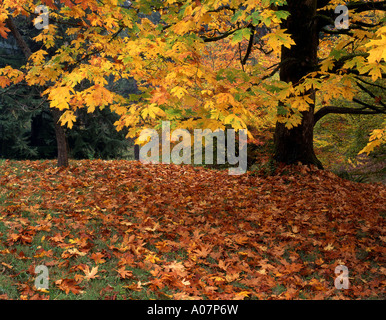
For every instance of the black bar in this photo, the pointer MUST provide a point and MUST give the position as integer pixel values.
(194, 309)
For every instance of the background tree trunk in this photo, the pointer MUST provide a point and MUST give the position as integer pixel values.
(296, 145)
(136, 151)
(61, 139)
(59, 130)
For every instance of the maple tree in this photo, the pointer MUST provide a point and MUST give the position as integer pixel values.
(334, 74)
(171, 58)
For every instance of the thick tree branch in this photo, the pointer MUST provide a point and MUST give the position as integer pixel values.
(326, 16)
(322, 3)
(366, 6)
(357, 6)
(18, 37)
(337, 32)
(340, 110)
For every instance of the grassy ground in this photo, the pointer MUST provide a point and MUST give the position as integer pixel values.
(124, 230)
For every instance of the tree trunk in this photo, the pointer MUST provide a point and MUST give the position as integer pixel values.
(59, 130)
(60, 139)
(296, 144)
(136, 151)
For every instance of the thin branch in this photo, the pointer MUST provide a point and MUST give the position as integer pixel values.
(366, 25)
(250, 45)
(326, 15)
(369, 93)
(223, 36)
(371, 84)
(4, 91)
(99, 50)
(369, 106)
(221, 8)
(52, 19)
(338, 64)
(366, 6)
(242, 65)
(272, 72)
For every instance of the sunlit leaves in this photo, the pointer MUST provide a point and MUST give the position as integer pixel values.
(68, 118)
(90, 273)
(4, 30)
(378, 51)
(68, 285)
(189, 63)
(152, 111)
(377, 138)
(278, 38)
(9, 75)
(60, 97)
(123, 273)
(240, 35)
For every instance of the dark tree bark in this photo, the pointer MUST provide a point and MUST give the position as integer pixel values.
(59, 130)
(60, 139)
(296, 144)
(136, 151)
(18, 37)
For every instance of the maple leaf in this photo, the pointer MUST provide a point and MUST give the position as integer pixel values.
(4, 81)
(329, 247)
(179, 92)
(217, 279)
(90, 274)
(60, 97)
(223, 265)
(262, 271)
(230, 277)
(69, 118)
(378, 47)
(98, 257)
(317, 284)
(160, 96)
(202, 252)
(72, 252)
(278, 38)
(152, 258)
(13, 237)
(58, 238)
(4, 30)
(123, 273)
(68, 285)
(241, 295)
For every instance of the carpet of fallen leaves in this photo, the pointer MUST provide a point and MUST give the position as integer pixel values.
(195, 233)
